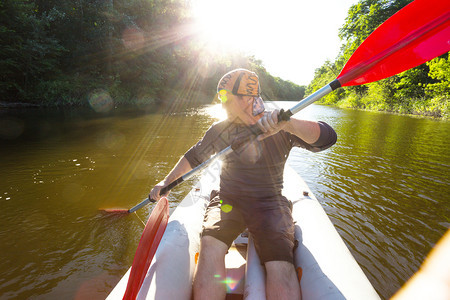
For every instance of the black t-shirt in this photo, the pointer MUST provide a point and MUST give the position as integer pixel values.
(261, 179)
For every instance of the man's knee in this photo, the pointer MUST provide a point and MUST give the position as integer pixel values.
(282, 281)
(212, 248)
(281, 270)
(207, 285)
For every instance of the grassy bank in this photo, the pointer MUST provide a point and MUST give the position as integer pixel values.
(435, 107)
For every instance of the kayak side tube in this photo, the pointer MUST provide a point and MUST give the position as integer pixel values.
(329, 270)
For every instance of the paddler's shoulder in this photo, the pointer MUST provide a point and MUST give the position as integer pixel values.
(221, 125)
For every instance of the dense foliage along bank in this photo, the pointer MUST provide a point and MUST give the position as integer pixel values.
(61, 52)
(422, 90)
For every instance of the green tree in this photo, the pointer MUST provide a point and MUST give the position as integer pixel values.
(410, 91)
(363, 18)
(29, 53)
(440, 71)
(60, 52)
(323, 76)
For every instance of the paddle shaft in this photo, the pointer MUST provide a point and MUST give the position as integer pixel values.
(285, 115)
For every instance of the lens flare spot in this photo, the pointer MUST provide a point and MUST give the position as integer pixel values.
(230, 283)
(111, 140)
(11, 128)
(226, 208)
(223, 96)
(101, 101)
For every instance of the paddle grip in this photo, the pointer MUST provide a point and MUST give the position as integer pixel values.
(254, 131)
(173, 184)
(163, 191)
(283, 115)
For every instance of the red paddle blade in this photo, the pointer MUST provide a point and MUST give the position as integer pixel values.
(417, 33)
(153, 232)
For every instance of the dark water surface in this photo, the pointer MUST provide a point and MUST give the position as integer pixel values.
(385, 186)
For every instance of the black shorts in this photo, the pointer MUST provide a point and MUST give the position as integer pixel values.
(270, 224)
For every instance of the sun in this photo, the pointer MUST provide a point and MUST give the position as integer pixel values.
(291, 37)
(224, 25)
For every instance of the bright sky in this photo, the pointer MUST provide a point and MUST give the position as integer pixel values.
(291, 37)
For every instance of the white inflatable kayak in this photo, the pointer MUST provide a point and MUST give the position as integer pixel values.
(326, 266)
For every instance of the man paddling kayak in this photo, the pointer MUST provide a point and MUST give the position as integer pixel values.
(251, 181)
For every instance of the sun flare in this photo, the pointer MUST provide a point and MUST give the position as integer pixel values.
(216, 111)
(225, 26)
(291, 37)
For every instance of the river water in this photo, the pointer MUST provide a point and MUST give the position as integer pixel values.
(385, 186)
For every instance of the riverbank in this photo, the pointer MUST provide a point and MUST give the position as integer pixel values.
(434, 108)
(102, 102)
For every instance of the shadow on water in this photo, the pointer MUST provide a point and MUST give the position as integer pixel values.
(22, 125)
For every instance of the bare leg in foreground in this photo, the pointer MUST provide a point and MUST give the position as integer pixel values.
(281, 282)
(210, 272)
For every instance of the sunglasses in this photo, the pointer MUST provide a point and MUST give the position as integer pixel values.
(258, 106)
